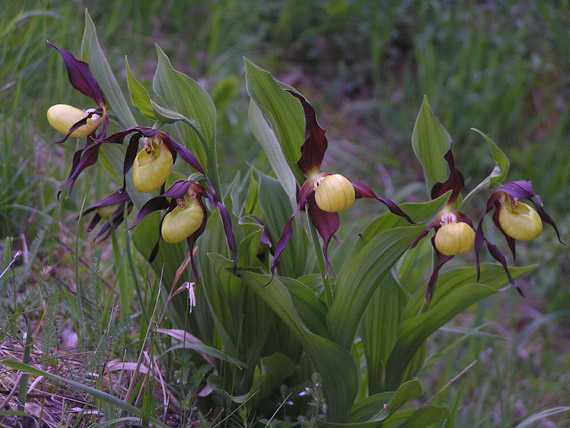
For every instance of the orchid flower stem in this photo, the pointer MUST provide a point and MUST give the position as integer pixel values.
(321, 261)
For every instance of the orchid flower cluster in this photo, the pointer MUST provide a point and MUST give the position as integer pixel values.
(322, 194)
(454, 231)
(185, 216)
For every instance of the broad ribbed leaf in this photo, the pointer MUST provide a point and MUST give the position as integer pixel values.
(283, 111)
(112, 155)
(431, 142)
(266, 138)
(406, 392)
(499, 173)
(139, 95)
(187, 97)
(413, 418)
(269, 375)
(361, 276)
(92, 53)
(335, 365)
(444, 307)
(379, 329)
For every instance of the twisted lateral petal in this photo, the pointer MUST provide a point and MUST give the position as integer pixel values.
(363, 191)
(327, 224)
(80, 76)
(315, 145)
(305, 192)
(442, 259)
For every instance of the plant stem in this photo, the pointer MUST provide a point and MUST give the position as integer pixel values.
(321, 261)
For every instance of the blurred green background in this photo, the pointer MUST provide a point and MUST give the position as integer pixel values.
(500, 66)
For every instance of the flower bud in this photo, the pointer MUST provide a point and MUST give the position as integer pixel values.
(334, 193)
(182, 221)
(152, 165)
(62, 117)
(520, 221)
(454, 238)
(106, 212)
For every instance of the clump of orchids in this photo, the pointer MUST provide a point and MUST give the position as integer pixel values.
(454, 231)
(323, 193)
(186, 215)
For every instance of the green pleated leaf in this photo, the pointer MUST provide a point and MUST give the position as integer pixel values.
(379, 329)
(139, 95)
(415, 418)
(361, 276)
(335, 365)
(283, 112)
(406, 392)
(365, 409)
(182, 94)
(100, 395)
(499, 173)
(268, 376)
(92, 53)
(266, 138)
(415, 331)
(431, 142)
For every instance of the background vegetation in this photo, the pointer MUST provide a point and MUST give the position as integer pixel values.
(501, 67)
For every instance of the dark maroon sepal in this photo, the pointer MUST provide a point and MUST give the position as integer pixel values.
(441, 260)
(521, 189)
(315, 145)
(131, 153)
(363, 191)
(326, 223)
(303, 197)
(94, 222)
(115, 220)
(454, 182)
(80, 76)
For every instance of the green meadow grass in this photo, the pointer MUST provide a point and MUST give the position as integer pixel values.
(501, 67)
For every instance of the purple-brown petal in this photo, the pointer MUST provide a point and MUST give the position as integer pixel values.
(265, 238)
(424, 232)
(363, 191)
(441, 260)
(78, 125)
(80, 76)
(303, 197)
(86, 158)
(226, 221)
(118, 197)
(547, 219)
(510, 240)
(500, 257)
(315, 145)
(454, 182)
(326, 223)
(521, 189)
(155, 204)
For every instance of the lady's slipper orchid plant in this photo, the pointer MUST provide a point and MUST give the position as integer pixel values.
(186, 217)
(454, 232)
(112, 209)
(515, 219)
(325, 194)
(73, 122)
